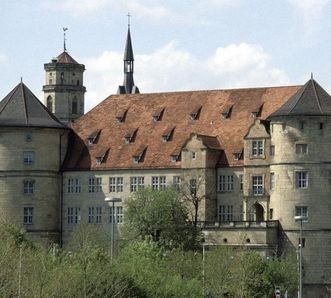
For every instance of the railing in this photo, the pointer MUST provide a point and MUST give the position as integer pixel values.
(239, 224)
(257, 192)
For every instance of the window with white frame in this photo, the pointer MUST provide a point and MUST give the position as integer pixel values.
(241, 182)
(28, 157)
(272, 181)
(301, 148)
(225, 213)
(257, 148)
(225, 183)
(159, 182)
(301, 179)
(90, 214)
(176, 182)
(98, 215)
(301, 211)
(73, 215)
(137, 183)
(28, 215)
(28, 187)
(95, 184)
(118, 214)
(73, 185)
(257, 185)
(115, 184)
(241, 213)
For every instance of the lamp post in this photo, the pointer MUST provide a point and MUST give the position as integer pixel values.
(301, 219)
(113, 223)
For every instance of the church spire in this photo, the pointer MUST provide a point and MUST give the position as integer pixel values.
(128, 83)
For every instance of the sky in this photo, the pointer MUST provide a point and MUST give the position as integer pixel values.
(178, 45)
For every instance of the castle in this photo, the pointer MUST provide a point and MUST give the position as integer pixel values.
(257, 156)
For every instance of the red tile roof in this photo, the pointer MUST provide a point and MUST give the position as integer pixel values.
(177, 107)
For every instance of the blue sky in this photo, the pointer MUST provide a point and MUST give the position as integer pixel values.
(178, 45)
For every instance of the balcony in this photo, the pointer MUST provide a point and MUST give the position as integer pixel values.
(238, 224)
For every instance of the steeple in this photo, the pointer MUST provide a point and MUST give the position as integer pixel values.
(128, 83)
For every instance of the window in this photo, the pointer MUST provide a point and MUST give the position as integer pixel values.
(225, 213)
(91, 215)
(272, 150)
(241, 213)
(28, 157)
(136, 183)
(194, 155)
(28, 136)
(115, 184)
(241, 182)
(95, 184)
(257, 148)
(301, 148)
(272, 181)
(301, 125)
(28, 187)
(98, 215)
(257, 185)
(301, 179)
(28, 215)
(271, 213)
(193, 187)
(236, 156)
(118, 214)
(50, 103)
(159, 183)
(301, 211)
(321, 125)
(73, 215)
(73, 185)
(225, 183)
(176, 182)
(62, 78)
(74, 106)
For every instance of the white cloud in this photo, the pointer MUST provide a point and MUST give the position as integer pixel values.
(153, 12)
(311, 11)
(3, 58)
(173, 69)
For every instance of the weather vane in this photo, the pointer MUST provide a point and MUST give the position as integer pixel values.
(64, 38)
(129, 16)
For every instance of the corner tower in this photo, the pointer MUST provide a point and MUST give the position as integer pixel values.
(63, 89)
(128, 86)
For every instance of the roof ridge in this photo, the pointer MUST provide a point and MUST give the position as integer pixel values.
(317, 98)
(24, 102)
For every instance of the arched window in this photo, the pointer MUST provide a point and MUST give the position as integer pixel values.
(77, 82)
(74, 106)
(50, 103)
(62, 78)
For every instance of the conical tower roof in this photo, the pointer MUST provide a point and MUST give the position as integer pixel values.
(65, 58)
(310, 100)
(22, 108)
(128, 53)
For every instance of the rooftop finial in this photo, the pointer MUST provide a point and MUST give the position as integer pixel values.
(21, 79)
(129, 16)
(64, 39)
(311, 76)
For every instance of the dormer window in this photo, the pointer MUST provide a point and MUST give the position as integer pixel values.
(196, 113)
(93, 137)
(130, 137)
(167, 135)
(236, 156)
(257, 148)
(174, 158)
(139, 155)
(158, 115)
(257, 111)
(101, 157)
(120, 117)
(226, 113)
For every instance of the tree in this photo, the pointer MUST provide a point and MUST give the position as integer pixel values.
(161, 216)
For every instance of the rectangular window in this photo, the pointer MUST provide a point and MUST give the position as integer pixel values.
(118, 214)
(136, 183)
(194, 155)
(98, 215)
(119, 184)
(225, 183)
(28, 187)
(91, 215)
(28, 157)
(155, 183)
(225, 213)
(257, 185)
(301, 148)
(73, 185)
(193, 187)
(73, 215)
(272, 181)
(301, 211)
(301, 179)
(241, 213)
(159, 182)
(257, 148)
(301, 125)
(163, 182)
(241, 182)
(271, 213)
(28, 215)
(272, 150)
(115, 184)
(176, 182)
(95, 184)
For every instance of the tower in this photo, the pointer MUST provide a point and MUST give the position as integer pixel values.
(128, 86)
(63, 89)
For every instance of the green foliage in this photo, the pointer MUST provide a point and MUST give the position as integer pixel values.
(160, 216)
